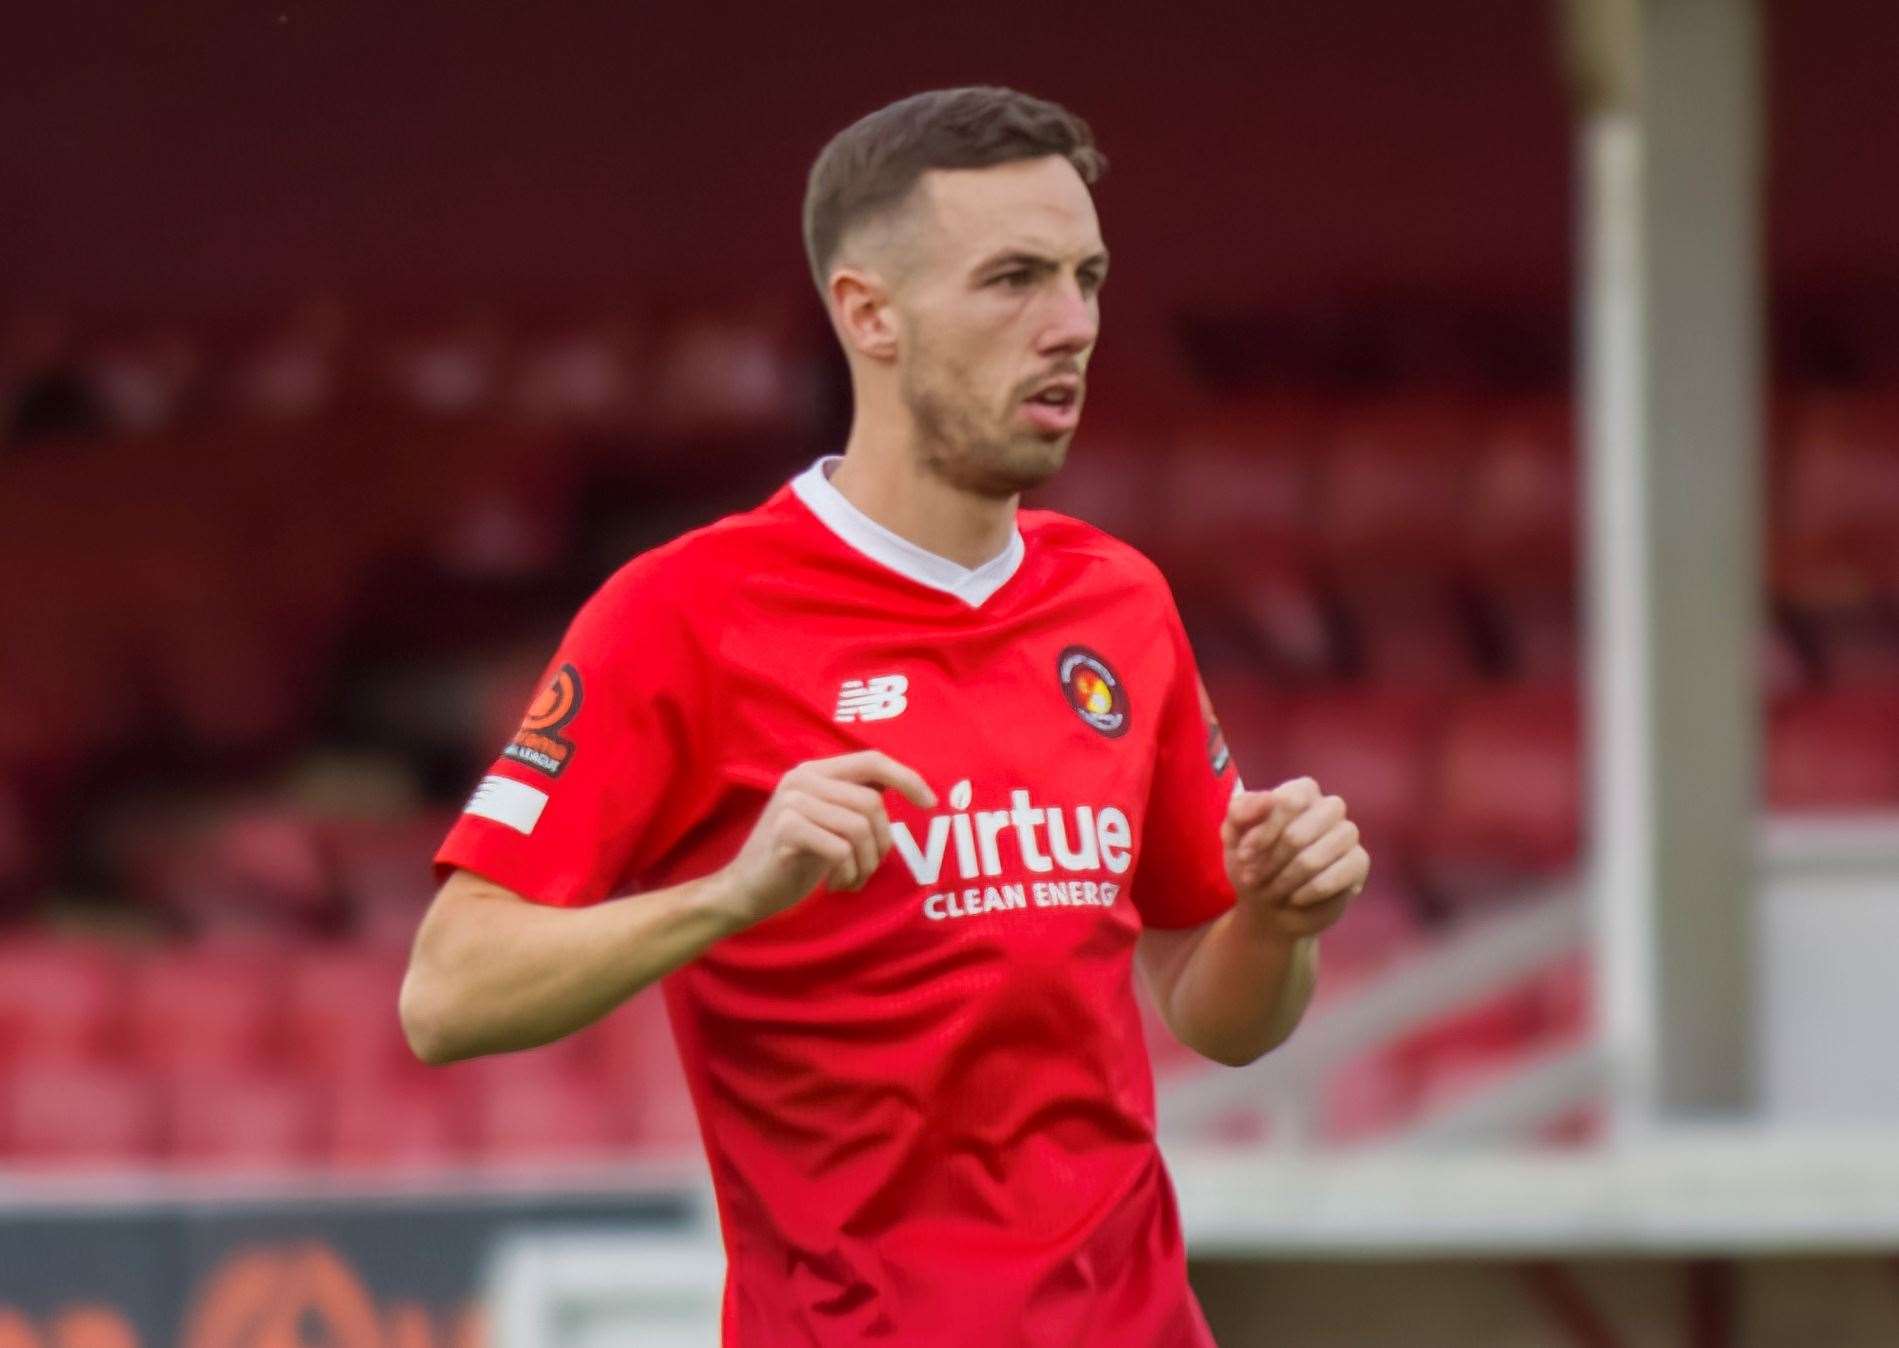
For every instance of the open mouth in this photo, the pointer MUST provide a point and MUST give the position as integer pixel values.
(1054, 410)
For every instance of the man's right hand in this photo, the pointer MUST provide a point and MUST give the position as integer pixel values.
(824, 823)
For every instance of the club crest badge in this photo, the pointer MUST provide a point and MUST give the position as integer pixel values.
(1093, 690)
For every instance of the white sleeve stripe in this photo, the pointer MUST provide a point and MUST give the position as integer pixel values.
(509, 802)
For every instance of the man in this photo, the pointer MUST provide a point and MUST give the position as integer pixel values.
(896, 781)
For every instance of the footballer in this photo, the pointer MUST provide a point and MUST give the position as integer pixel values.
(893, 782)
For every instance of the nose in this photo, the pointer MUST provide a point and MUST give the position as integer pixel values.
(1072, 323)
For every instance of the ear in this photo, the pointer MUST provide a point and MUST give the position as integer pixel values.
(865, 317)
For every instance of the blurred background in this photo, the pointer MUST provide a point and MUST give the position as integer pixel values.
(1510, 391)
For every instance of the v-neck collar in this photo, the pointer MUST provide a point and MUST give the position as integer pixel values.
(972, 585)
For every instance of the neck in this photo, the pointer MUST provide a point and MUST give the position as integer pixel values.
(882, 480)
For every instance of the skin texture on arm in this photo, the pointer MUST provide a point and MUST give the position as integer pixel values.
(1232, 989)
(492, 972)
(1235, 988)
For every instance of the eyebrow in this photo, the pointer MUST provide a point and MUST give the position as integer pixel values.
(1016, 257)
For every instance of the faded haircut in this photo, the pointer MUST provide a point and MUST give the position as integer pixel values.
(872, 165)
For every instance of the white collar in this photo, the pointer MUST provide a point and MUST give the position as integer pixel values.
(972, 585)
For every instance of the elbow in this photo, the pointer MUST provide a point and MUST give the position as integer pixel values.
(1239, 1050)
(426, 1025)
(1236, 1056)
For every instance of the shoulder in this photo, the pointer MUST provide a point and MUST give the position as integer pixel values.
(680, 591)
(689, 573)
(1062, 534)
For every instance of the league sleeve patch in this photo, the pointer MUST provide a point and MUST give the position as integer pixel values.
(539, 743)
(1218, 756)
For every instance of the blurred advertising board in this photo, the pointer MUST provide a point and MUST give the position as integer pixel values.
(399, 1270)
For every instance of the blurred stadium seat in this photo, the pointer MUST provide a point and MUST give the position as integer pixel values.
(528, 1109)
(1235, 486)
(206, 1007)
(1521, 543)
(61, 1002)
(402, 1125)
(74, 1116)
(1841, 515)
(1112, 480)
(632, 1054)
(1836, 750)
(1394, 495)
(1382, 588)
(1374, 747)
(340, 1022)
(1506, 793)
(266, 1120)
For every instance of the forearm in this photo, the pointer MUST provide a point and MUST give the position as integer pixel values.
(1243, 989)
(491, 973)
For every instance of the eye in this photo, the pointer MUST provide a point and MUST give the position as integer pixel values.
(1015, 280)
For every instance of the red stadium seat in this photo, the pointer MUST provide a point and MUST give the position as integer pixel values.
(1381, 926)
(587, 378)
(1857, 642)
(1252, 716)
(571, 1055)
(1166, 1054)
(1472, 1045)
(538, 1113)
(79, 1116)
(1413, 631)
(1394, 493)
(1111, 479)
(1840, 522)
(233, 1120)
(395, 1124)
(381, 869)
(1522, 540)
(1837, 750)
(1565, 998)
(252, 870)
(1372, 747)
(1394, 507)
(341, 1024)
(1522, 518)
(1371, 1096)
(1236, 488)
(1507, 792)
(1539, 632)
(60, 1002)
(633, 1056)
(1286, 616)
(204, 1009)
(446, 369)
(730, 373)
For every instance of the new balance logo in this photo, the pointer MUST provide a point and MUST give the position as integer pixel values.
(876, 699)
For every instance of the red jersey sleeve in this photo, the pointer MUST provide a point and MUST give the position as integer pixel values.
(599, 779)
(1181, 879)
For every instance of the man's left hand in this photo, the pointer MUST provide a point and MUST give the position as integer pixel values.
(1293, 856)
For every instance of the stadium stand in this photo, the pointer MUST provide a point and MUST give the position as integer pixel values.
(290, 580)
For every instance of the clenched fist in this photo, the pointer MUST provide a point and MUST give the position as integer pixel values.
(1293, 856)
(824, 823)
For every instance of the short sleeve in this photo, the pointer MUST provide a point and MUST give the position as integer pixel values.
(598, 779)
(1181, 879)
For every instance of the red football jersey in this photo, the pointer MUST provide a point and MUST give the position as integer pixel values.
(927, 1105)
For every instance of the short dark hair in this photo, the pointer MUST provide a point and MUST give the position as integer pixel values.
(872, 165)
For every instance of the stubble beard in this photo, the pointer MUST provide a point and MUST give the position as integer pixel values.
(953, 445)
